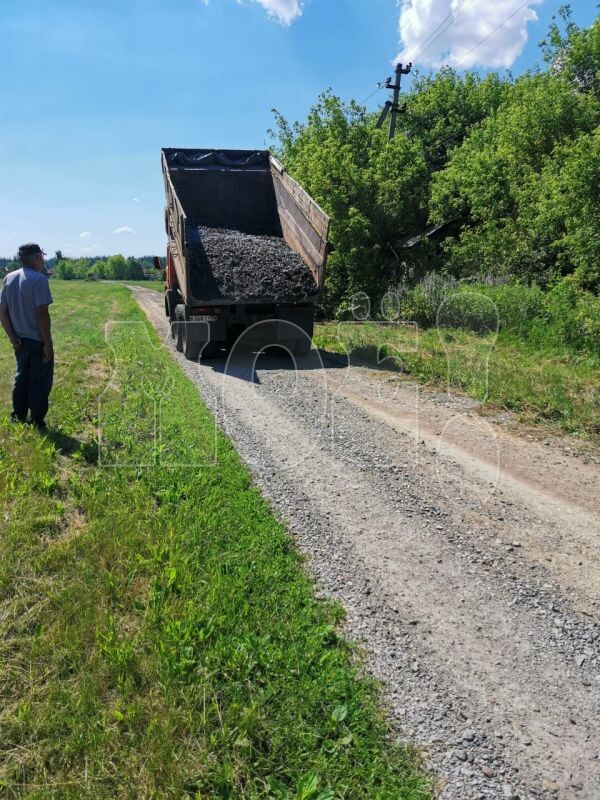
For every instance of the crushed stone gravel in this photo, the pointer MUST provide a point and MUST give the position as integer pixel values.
(229, 264)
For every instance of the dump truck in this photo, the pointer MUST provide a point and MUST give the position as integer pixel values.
(246, 255)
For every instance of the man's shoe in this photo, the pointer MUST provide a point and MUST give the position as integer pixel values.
(16, 420)
(40, 426)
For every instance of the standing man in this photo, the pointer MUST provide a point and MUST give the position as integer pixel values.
(24, 302)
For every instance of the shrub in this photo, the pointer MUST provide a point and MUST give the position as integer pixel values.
(566, 316)
(416, 306)
(468, 309)
(571, 318)
(517, 305)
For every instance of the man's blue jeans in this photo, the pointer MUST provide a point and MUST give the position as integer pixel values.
(33, 382)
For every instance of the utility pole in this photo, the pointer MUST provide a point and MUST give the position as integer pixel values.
(393, 105)
(400, 71)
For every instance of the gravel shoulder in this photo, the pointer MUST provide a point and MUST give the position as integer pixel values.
(466, 557)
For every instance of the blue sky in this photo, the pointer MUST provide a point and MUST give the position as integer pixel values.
(90, 92)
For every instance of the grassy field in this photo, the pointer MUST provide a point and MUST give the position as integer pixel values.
(159, 637)
(542, 384)
(158, 286)
(560, 388)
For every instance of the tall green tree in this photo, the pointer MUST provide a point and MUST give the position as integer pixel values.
(508, 170)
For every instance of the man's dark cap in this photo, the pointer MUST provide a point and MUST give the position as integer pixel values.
(27, 250)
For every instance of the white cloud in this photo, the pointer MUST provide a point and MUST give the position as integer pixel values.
(135, 199)
(284, 11)
(124, 229)
(89, 249)
(85, 235)
(458, 43)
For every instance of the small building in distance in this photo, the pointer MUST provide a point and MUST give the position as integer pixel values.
(150, 274)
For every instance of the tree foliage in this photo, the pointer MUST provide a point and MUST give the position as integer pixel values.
(507, 170)
(115, 267)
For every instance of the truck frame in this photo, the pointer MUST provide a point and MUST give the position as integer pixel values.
(248, 191)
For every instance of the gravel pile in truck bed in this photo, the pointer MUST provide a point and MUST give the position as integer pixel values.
(230, 264)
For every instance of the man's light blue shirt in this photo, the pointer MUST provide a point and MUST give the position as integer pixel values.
(22, 292)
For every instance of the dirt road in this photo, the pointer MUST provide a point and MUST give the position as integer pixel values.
(467, 559)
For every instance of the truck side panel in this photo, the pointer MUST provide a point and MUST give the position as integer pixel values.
(175, 221)
(304, 224)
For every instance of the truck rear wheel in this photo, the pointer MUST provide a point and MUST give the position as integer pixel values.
(191, 347)
(171, 299)
(177, 327)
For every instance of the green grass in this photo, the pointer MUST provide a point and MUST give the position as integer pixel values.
(543, 386)
(159, 637)
(158, 286)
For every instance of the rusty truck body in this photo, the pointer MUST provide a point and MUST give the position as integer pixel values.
(247, 191)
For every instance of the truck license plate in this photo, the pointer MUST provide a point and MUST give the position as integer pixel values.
(203, 318)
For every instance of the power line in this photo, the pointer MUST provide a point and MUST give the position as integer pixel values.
(485, 38)
(466, 129)
(475, 46)
(380, 85)
(452, 16)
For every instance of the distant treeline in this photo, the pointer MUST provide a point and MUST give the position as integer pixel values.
(488, 178)
(116, 267)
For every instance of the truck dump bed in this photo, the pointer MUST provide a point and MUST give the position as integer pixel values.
(241, 230)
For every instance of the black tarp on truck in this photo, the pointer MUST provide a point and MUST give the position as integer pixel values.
(247, 251)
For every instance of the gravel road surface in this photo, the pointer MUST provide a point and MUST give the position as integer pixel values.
(466, 556)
